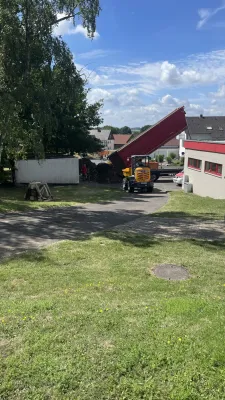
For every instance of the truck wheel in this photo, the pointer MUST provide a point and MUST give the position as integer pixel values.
(150, 189)
(130, 189)
(154, 177)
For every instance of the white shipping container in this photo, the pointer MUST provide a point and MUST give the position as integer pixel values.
(51, 170)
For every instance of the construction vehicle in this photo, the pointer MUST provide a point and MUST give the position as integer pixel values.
(146, 143)
(138, 175)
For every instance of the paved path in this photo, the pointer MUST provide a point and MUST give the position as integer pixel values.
(176, 228)
(22, 231)
(30, 230)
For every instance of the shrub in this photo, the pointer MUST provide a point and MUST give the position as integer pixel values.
(172, 155)
(161, 158)
(182, 161)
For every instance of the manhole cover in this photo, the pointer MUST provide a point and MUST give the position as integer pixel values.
(171, 272)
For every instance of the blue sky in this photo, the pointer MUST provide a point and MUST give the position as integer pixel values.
(149, 57)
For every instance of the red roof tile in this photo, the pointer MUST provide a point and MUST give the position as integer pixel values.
(172, 142)
(121, 139)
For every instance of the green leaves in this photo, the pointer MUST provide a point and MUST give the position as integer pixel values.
(41, 92)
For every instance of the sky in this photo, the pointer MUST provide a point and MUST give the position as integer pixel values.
(149, 57)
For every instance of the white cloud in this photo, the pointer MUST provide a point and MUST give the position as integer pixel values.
(169, 100)
(207, 13)
(220, 93)
(128, 100)
(98, 53)
(66, 27)
(100, 94)
(84, 31)
(115, 98)
(144, 93)
(201, 69)
(100, 79)
(170, 74)
(138, 114)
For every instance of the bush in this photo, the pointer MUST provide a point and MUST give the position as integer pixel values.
(161, 158)
(169, 159)
(182, 161)
(172, 155)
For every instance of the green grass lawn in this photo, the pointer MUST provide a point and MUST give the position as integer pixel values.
(88, 320)
(184, 205)
(12, 199)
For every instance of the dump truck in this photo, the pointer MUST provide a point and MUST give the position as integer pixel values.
(145, 144)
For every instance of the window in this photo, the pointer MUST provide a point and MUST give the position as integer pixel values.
(194, 163)
(213, 168)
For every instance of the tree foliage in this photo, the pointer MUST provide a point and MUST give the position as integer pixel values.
(161, 158)
(145, 127)
(43, 98)
(172, 155)
(114, 129)
(125, 130)
(169, 159)
(86, 10)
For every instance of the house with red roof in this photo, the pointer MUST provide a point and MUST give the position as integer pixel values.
(120, 140)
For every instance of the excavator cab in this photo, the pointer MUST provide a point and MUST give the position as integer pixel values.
(138, 175)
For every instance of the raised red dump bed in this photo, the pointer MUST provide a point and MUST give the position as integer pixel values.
(150, 140)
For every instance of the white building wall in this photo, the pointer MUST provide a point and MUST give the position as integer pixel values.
(110, 145)
(57, 171)
(204, 183)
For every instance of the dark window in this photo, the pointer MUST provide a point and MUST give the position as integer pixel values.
(194, 163)
(213, 168)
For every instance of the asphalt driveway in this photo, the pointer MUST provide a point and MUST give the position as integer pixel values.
(30, 230)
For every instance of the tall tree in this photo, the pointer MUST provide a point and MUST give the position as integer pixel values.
(144, 128)
(86, 10)
(70, 108)
(28, 51)
(114, 129)
(125, 130)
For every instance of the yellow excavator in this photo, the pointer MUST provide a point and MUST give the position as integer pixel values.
(138, 175)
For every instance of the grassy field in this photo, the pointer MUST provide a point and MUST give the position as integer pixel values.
(12, 199)
(183, 205)
(88, 320)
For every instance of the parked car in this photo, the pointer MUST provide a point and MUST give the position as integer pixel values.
(178, 178)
